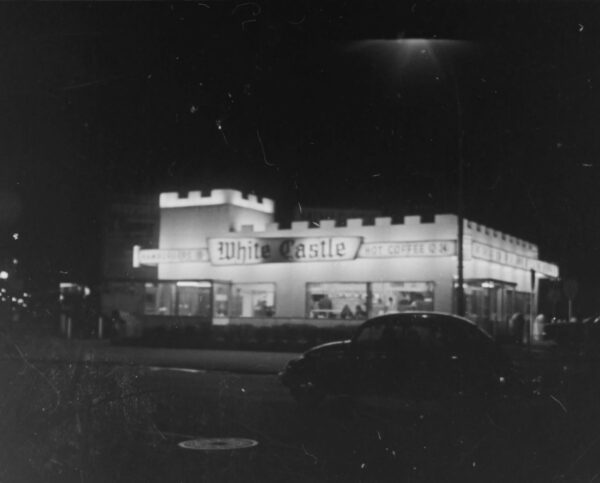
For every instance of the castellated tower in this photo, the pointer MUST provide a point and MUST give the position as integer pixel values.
(187, 221)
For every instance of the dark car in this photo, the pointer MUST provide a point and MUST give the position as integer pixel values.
(417, 355)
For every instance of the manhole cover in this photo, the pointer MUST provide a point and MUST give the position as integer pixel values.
(215, 444)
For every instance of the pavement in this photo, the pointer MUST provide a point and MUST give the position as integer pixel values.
(53, 348)
(79, 422)
(102, 351)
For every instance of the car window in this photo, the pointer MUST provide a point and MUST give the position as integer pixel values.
(424, 333)
(370, 336)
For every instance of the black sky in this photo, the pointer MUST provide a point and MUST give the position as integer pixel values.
(102, 98)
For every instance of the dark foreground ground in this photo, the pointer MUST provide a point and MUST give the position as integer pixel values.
(90, 419)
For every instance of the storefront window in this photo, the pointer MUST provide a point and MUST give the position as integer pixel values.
(522, 303)
(389, 297)
(253, 300)
(159, 299)
(193, 299)
(221, 305)
(337, 300)
(510, 301)
(188, 299)
(490, 304)
(475, 302)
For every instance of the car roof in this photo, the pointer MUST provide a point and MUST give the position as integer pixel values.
(408, 313)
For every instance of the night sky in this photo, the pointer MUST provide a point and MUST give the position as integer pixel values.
(304, 103)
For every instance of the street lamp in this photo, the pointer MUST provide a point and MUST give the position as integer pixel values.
(436, 50)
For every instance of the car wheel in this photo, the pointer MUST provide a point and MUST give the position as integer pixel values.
(307, 393)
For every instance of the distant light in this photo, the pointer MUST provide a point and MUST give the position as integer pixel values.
(15, 261)
(14, 299)
(20, 301)
(194, 284)
(86, 291)
(15, 236)
(3, 275)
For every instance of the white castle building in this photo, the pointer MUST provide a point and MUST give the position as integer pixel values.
(222, 260)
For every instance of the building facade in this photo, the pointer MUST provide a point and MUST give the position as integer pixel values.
(128, 220)
(221, 259)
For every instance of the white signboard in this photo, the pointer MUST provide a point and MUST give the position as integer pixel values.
(176, 255)
(497, 255)
(545, 268)
(486, 252)
(251, 251)
(434, 248)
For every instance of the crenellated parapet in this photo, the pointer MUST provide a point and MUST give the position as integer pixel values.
(381, 228)
(442, 221)
(444, 225)
(216, 197)
(485, 234)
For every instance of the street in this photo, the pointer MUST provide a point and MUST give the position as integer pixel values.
(97, 421)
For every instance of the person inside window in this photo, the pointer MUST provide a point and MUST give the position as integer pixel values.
(346, 313)
(325, 303)
(360, 313)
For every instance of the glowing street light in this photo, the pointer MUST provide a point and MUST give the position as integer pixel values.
(407, 52)
(3, 275)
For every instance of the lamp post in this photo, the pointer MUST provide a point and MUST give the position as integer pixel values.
(408, 47)
(460, 205)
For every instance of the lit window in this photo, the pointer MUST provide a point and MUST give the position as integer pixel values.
(390, 297)
(253, 300)
(337, 300)
(159, 299)
(193, 300)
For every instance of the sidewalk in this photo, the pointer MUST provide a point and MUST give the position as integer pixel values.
(55, 349)
(537, 357)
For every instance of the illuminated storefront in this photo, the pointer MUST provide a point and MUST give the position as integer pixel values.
(221, 258)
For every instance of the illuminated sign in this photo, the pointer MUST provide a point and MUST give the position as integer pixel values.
(491, 254)
(439, 248)
(545, 268)
(250, 251)
(175, 255)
